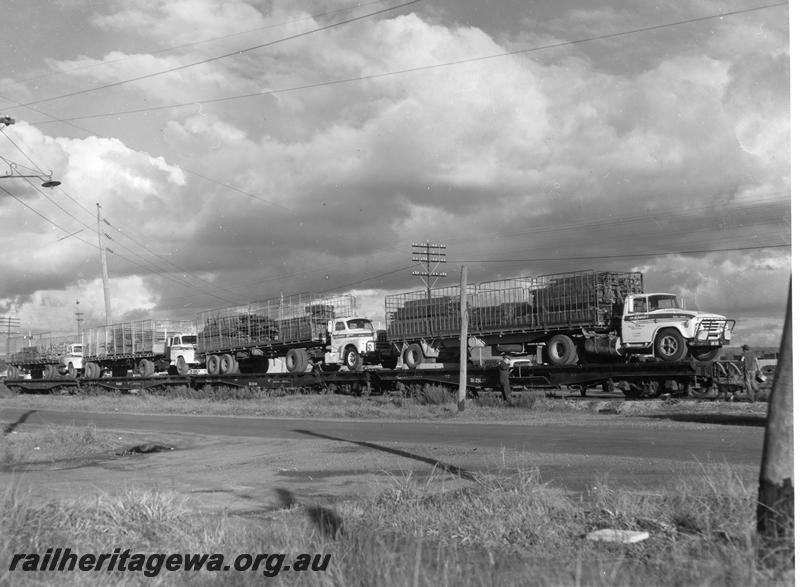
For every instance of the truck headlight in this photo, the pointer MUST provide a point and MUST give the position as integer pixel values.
(371, 346)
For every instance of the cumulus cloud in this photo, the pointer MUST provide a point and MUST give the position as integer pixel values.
(590, 150)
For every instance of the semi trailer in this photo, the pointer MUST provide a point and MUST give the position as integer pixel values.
(45, 355)
(142, 347)
(303, 330)
(579, 316)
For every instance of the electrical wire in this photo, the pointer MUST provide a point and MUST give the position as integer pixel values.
(624, 256)
(225, 56)
(200, 42)
(419, 68)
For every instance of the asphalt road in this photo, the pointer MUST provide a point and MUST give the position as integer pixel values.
(736, 445)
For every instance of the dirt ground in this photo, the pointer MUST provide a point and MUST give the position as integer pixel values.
(253, 476)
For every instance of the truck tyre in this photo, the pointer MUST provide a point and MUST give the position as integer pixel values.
(181, 366)
(705, 353)
(50, 372)
(226, 364)
(12, 372)
(352, 360)
(296, 360)
(72, 372)
(561, 350)
(212, 364)
(146, 368)
(94, 371)
(669, 345)
(413, 356)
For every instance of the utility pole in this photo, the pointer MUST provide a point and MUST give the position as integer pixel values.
(429, 255)
(78, 315)
(462, 370)
(775, 507)
(104, 266)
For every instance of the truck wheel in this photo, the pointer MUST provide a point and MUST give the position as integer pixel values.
(413, 356)
(561, 350)
(12, 372)
(212, 364)
(181, 366)
(226, 364)
(352, 360)
(296, 360)
(146, 368)
(93, 371)
(705, 353)
(669, 345)
(72, 372)
(50, 372)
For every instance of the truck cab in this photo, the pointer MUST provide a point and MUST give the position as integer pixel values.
(352, 339)
(71, 363)
(182, 350)
(659, 322)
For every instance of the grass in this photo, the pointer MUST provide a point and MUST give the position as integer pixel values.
(508, 529)
(53, 443)
(422, 403)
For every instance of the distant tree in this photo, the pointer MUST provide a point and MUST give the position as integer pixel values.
(775, 509)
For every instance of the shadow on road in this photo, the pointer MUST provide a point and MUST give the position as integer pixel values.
(452, 469)
(723, 419)
(9, 428)
(325, 519)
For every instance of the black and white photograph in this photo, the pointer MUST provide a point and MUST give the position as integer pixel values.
(414, 293)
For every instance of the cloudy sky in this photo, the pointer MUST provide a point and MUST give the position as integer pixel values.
(248, 148)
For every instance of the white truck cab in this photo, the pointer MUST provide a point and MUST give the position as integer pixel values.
(71, 363)
(658, 321)
(352, 338)
(182, 351)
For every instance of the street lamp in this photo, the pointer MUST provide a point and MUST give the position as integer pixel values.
(47, 180)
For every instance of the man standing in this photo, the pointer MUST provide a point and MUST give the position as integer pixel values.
(505, 386)
(750, 368)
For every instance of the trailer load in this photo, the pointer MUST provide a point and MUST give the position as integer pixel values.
(572, 315)
(143, 347)
(45, 355)
(301, 329)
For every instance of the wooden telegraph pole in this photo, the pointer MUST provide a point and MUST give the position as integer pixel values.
(462, 372)
(104, 268)
(775, 509)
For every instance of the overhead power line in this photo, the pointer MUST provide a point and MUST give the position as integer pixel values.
(200, 42)
(625, 256)
(418, 68)
(225, 56)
